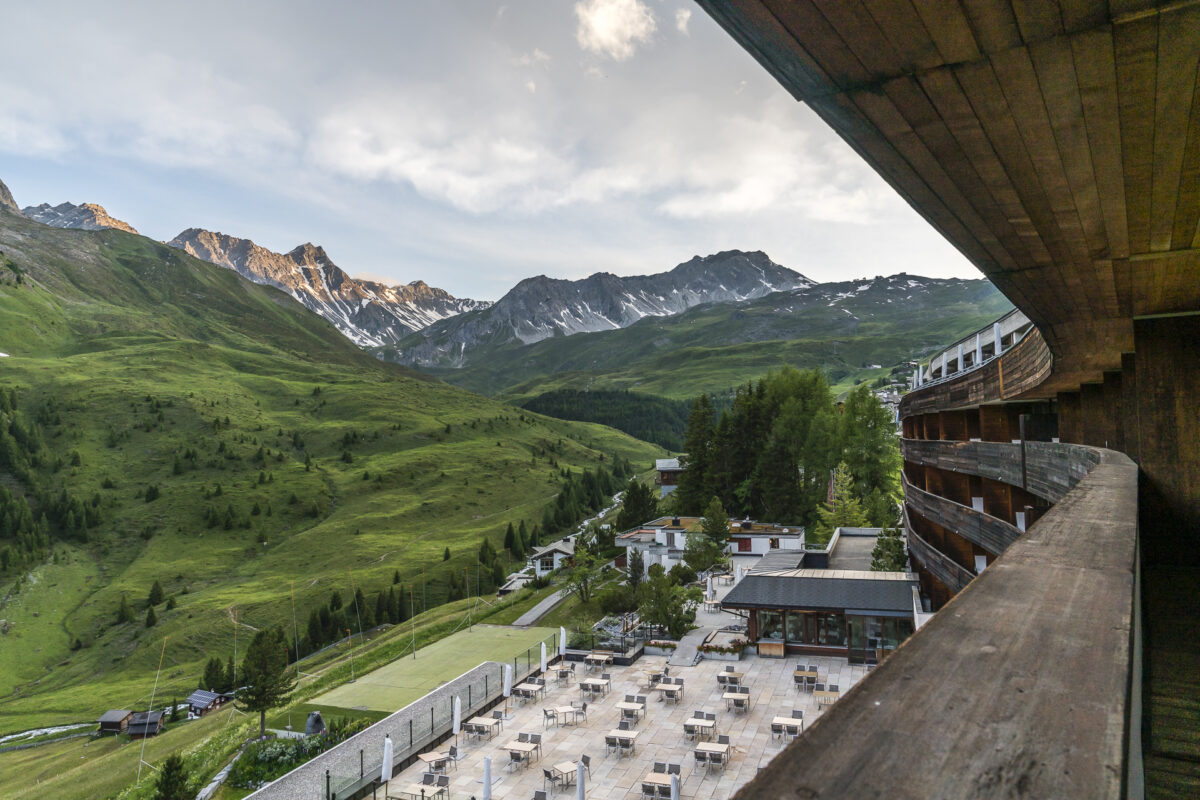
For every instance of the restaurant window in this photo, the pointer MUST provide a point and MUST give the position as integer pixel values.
(770, 625)
(774, 544)
(744, 545)
(816, 628)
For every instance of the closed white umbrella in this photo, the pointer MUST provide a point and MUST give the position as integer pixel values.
(580, 794)
(710, 587)
(562, 641)
(487, 778)
(457, 715)
(543, 658)
(386, 774)
(507, 680)
(674, 786)
(737, 573)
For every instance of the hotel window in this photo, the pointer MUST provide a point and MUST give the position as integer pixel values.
(744, 545)
(774, 544)
(770, 625)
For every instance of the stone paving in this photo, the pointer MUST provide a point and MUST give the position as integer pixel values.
(660, 737)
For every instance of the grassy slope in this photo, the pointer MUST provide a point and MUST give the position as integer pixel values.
(109, 318)
(714, 347)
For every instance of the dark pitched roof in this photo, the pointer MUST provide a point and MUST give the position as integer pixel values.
(778, 560)
(822, 589)
(114, 715)
(202, 698)
(145, 722)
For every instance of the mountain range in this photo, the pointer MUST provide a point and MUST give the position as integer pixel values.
(540, 308)
(88, 217)
(368, 313)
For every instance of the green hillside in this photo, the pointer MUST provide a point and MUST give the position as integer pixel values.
(843, 328)
(177, 423)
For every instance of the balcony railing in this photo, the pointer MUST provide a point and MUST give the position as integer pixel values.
(1027, 684)
(951, 574)
(992, 534)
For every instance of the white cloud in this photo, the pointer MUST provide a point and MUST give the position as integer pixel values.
(613, 27)
(682, 16)
(531, 86)
(536, 58)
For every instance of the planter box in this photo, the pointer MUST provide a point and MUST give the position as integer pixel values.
(722, 656)
(659, 651)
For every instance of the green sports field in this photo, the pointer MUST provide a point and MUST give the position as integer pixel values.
(397, 684)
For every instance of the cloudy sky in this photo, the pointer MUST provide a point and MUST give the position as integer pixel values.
(469, 144)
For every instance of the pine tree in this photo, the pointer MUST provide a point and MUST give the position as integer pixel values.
(156, 594)
(396, 577)
(509, 537)
(526, 535)
(845, 511)
(172, 783)
(230, 675)
(381, 609)
(694, 484)
(638, 506)
(888, 555)
(213, 678)
(518, 548)
(268, 681)
(124, 613)
(498, 574)
(151, 617)
(446, 555)
(716, 524)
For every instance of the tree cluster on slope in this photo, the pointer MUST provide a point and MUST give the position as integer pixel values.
(771, 453)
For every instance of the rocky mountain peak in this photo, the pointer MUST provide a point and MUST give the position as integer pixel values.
(7, 201)
(540, 307)
(88, 217)
(368, 313)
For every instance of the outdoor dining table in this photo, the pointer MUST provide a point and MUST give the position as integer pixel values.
(712, 605)
(826, 697)
(804, 673)
(658, 778)
(436, 761)
(416, 790)
(672, 690)
(484, 725)
(566, 770)
(526, 749)
(596, 683)
(627, 736)
(712, 747)
(706, 727)
(640, 708)
(723, 677)
(529, 690)
(595, 660)
(729, 697)
(565, 712)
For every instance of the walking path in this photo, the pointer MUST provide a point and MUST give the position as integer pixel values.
(686, 654)
(543, 608)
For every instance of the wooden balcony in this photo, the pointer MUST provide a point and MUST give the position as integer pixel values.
(992, 534)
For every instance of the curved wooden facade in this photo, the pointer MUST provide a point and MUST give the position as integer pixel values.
(1057, 146)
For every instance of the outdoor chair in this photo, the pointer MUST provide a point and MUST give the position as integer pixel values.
(777, 730)
(587, 763)
(516, 759)
(454, 756)
(540, 795)
(660, 766)
(689, 732)
(443, 785)
(799, 681)
(583, 709)
(606, 676)
(549, 717)
(623, 725)
(629, 699)
(698, 713)
(664, 791)
(820, 687)
(624, 746)
(701, 759)
(649, 791)
(723, 739)
(674, 769)
(429, 779)
(536, 738)
(629, 715)
(794, 730)
(523, 737)
(833, 687)
(812, 683)
(797, 713)
(716, 760)
(710, 716)
(610, 743)
(551, 778)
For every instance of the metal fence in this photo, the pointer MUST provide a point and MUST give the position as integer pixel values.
(353, 767)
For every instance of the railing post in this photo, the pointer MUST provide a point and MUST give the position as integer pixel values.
(327, 786)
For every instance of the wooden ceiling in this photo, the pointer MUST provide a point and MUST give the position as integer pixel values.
(1056, 144)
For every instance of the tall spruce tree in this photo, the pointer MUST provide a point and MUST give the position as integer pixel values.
(172, 782)
(845, 511)
(268, 681)
(638, 506)
(694, 485)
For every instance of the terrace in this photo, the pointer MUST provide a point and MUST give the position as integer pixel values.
(659, 733)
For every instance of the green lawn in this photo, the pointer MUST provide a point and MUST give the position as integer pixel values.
(397, 684)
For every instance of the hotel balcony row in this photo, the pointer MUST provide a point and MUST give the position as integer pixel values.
(1025, 543)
